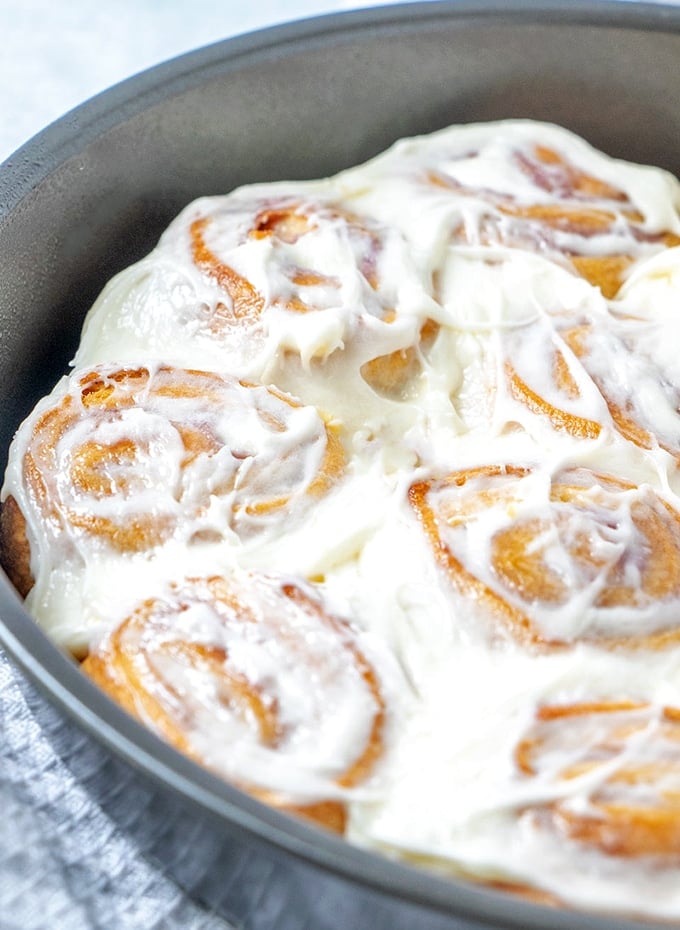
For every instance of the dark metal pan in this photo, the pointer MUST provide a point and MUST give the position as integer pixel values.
(92, 193)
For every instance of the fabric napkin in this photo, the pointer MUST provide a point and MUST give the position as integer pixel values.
(64, 864)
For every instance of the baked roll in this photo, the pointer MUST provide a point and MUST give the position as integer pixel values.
(555, 560)
(254, 677)
(583, 375)
(531, 187)
(262, 281)
(541, 371)
(613, 769)
(642, 401)
(119, 462)
(576, 218)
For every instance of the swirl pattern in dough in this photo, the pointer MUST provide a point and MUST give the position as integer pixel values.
(616, 768)
(555, 208)
(128, 458)
(255, 678)
(581, 556)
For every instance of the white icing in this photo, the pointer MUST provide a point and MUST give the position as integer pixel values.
(426, 259)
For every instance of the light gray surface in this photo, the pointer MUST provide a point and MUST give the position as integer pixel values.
(56, 55)
(63, 863)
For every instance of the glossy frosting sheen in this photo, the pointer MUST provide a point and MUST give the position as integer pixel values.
(436, 397)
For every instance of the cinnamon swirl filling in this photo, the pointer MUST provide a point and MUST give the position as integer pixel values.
(127, 458)
(580, 556)
(254, 677)
(560, 211)
(614, 769)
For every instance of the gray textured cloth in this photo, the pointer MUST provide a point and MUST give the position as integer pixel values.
(64, 864)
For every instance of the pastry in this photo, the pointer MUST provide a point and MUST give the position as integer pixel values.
(554, 560)
(626, 385)
(364, 494)
(266, 283)
(615, 766)
(535, 188)
(254, 644)
(124, 461)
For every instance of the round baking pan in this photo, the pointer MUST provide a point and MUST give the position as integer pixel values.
(93, 192)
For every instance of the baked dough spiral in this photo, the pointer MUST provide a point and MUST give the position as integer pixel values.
(287, 286)
(321, 260)
(580, 556)
(586, 374)
(560, 211)
(283, 223)
(542, 373)
(128, 457)
(614, 767)
(255, 678)
(624, 375)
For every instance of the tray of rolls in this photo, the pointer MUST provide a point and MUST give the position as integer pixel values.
(360, 490)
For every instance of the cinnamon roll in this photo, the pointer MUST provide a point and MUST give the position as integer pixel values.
(576, 217)
(585, 368)
(585, 375)
(611, 774)
(578, 556)
(532, 187)
(642, 400)
(126, 458)
(542, 374)
(255, 678)
(261, 280)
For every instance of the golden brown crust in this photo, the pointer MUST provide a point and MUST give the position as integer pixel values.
(15, 550)
(128, 666)
(521, 574)
(628, 755)
(580, 204)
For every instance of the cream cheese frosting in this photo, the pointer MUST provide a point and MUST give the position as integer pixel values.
(440, 390)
